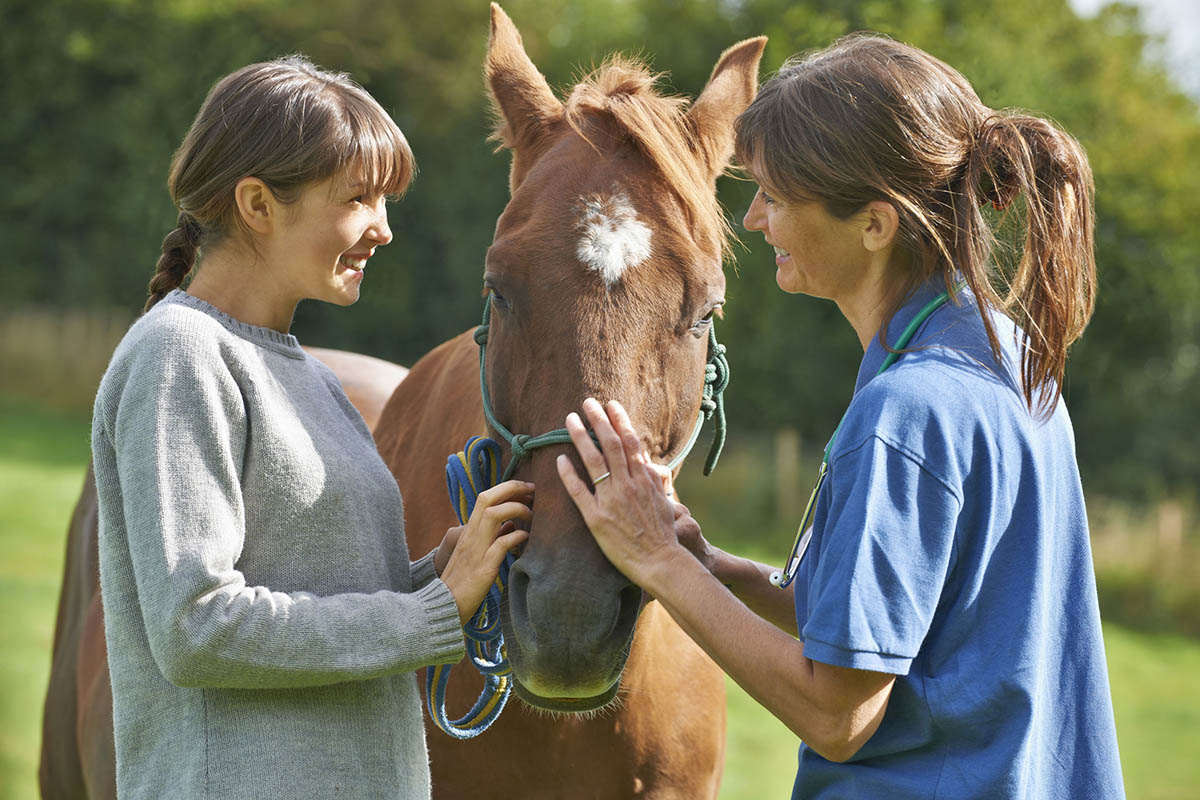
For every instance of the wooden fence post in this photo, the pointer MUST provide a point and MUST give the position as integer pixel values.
(788, 499)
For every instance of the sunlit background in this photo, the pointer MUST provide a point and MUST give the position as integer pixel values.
(97, 94)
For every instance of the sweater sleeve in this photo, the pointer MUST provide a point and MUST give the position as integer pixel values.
(176, 434)
(423, 570)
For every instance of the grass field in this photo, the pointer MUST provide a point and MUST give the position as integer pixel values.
(43, 454)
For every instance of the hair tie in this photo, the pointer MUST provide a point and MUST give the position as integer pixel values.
(998, 184)
(192, 230)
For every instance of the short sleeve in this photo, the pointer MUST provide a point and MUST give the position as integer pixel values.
(883, 543)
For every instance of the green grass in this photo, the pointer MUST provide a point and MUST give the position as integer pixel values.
(43, 455)
(1157, 706)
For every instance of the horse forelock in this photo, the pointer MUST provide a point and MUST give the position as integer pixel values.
(625, 91)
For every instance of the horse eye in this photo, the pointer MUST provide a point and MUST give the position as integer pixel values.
(701, 327)
(499, 301)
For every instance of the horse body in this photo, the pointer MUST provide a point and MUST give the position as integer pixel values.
(77, 732)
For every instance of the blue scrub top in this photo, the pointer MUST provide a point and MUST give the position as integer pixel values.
(950, 548)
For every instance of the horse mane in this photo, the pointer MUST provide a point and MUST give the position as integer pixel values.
(624, 89)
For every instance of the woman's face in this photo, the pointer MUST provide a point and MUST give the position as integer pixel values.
(326, 237)
(815, 252)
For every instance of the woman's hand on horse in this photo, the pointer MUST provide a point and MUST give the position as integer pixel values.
(481, 544)
(688, 532)
(687, 529)
(629, 514)
(446, 548)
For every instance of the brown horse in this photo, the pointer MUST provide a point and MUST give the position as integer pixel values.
(604, 275)
(78, 755)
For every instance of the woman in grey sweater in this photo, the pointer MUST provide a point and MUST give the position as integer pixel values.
(262, 617)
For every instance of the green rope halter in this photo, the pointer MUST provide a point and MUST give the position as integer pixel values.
(712, 404)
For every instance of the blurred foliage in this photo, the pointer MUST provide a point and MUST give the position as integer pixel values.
(97, 93)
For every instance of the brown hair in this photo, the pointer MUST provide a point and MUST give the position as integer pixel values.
(287, 123)
(869, 118)
(625, 89)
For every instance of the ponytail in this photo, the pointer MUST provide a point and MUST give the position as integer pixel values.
(869, 118)
(1052, 293)
(177, 259)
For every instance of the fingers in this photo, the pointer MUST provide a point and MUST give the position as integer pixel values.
(620, 447)
(496, 510)
(508, 490)
(501, 547)
(489, 534)
(584, 500)
(610, 441)
(664, 475)
(495, 516)
(624, 430)
(593, 459)
(446, 549)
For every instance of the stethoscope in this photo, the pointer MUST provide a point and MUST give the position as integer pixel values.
(784, 577)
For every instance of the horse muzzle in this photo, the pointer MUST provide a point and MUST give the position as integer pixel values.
(568, 633)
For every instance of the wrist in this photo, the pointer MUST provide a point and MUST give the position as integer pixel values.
(668, 571)
(735, 572)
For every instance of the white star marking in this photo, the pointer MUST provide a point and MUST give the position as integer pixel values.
(613, 238)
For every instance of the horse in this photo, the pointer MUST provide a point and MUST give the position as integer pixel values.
(78, 757)
(603, 279)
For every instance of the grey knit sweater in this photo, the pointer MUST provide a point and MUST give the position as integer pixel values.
(262, 617)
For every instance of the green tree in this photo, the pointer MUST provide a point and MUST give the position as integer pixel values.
(98, 93)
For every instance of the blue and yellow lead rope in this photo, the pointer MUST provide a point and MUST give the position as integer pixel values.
(469, 472)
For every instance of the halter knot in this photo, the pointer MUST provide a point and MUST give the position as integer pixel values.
(519, 446)
(481, 335)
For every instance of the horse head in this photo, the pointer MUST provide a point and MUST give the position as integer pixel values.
(604, 276)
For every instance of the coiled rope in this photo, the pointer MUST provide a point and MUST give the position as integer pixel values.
(469, 472)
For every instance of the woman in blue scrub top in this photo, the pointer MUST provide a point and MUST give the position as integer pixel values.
(949, 638)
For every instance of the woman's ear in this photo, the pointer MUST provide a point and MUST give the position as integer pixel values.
(256, 204)
(882, 225)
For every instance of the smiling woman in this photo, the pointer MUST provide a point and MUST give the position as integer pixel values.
(297, 163)
(256, 584)
(937, 626)
(314, 248)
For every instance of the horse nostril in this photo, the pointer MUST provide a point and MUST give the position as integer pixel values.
(628, 608)
(518, 603)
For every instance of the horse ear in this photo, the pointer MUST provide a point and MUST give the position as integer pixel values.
(729, 91)
(520, 94)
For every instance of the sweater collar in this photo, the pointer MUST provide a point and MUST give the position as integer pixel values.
(269, 338)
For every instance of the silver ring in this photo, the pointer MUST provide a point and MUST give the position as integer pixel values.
(596, 481)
